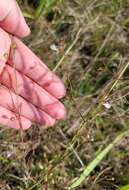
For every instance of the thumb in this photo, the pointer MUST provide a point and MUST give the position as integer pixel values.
(5, 43)
(11, 18)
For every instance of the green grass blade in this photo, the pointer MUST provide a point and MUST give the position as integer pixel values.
(28, 15)
(126, 187)
(40, 7)
(44, 4)
(95, 162)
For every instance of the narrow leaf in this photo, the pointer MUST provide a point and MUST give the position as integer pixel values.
(95, 162)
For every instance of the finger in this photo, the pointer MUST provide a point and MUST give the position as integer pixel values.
(28, 63)
(28, 89)
(11, 18)
(9, 119)
(18, 105)
(5, 43)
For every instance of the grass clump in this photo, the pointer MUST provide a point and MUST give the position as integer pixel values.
(92, 59)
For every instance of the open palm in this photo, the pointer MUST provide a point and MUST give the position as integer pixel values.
(29, 91)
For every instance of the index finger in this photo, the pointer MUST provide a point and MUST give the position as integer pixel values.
(11, 18)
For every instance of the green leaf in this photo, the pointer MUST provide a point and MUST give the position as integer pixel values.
(28, 15)
(87, 171)
(43, 5)
(126, 187)
(40, 7)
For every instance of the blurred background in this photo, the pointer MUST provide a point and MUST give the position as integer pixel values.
(85, 42)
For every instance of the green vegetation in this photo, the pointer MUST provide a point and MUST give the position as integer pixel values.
(126, 187)
(90, 149)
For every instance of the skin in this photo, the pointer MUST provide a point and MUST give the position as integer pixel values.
(29, 91)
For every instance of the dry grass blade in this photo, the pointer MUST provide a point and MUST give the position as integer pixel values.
(68, 50)
(118, 78)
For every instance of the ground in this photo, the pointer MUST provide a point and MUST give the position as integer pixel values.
(86, 42)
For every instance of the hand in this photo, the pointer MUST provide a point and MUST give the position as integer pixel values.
(29, 91)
